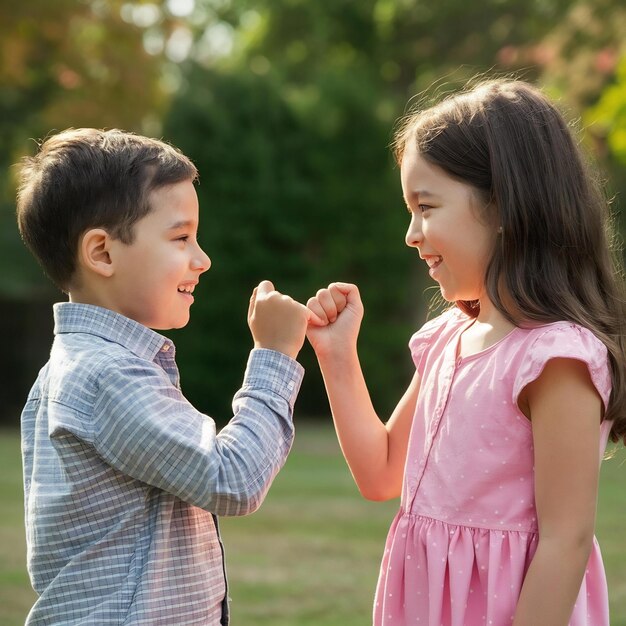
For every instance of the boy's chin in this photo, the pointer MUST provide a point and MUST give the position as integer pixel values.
(169, 325)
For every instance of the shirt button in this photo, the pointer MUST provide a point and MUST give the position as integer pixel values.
(165, 348)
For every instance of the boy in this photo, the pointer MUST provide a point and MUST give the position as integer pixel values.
(123, 478)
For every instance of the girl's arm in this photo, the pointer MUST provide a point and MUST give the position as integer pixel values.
(565, 411)
(375, 452)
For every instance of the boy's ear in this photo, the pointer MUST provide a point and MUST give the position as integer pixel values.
(93, 253)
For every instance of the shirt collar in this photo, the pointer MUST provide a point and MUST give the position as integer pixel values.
(72, 317)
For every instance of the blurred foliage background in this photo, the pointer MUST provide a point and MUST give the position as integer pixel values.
(287, 108)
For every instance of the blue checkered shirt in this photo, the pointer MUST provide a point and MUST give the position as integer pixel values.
(123, 478)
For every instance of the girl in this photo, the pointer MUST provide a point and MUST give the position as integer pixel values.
(496, 445)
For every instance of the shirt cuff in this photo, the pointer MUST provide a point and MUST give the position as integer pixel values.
(274, 371)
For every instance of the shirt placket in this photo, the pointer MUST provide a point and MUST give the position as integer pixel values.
(165, 359)
(446, 372)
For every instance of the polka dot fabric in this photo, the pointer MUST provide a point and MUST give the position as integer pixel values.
(459, 548)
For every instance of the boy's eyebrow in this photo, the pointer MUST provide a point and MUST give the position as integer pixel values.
(181, 224)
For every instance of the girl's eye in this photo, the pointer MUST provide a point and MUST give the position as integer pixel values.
(424, 207)
(182, 238)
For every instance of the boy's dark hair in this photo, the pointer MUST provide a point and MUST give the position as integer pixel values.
(87, 178)
(554, 258)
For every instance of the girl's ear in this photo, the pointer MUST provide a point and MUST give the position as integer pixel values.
(93, 253)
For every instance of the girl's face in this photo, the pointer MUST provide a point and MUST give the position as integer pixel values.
(446, 227)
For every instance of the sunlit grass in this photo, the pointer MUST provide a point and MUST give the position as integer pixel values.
(310, 556)
(610, 527)
(16, 595)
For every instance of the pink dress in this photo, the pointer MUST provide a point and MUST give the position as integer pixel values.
(459, 547)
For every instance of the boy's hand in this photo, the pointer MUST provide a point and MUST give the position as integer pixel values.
(277, 322)
(336, 317)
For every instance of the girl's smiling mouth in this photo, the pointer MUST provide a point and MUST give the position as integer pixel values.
(433, 262)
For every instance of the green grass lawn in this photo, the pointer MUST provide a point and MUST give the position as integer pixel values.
(310, 556)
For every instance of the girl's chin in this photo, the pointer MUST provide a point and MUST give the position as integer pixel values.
(447, 295)
(450, 295)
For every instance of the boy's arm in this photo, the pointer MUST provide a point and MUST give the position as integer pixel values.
(146, 429)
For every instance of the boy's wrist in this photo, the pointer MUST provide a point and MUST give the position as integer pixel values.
(270, 369)
(284, 348)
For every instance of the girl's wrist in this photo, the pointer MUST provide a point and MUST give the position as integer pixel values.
(338, 355)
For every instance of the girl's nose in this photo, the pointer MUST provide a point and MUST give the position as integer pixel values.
(414, 235)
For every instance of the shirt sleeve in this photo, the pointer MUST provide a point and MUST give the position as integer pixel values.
(146, 429)
(566, 341)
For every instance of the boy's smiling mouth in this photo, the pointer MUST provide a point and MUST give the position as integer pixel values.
(187, 288)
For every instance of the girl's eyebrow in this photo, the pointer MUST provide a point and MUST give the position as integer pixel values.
(421, 193)
(418, 195)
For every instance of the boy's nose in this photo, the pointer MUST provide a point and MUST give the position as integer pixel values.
(201, 260)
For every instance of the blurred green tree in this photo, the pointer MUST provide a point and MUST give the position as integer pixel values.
(607, 118)
(289, 196)
(287, 107)
(62, 63)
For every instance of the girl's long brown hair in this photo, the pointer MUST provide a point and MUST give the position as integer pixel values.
(556, 257)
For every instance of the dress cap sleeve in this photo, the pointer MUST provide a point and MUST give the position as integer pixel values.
(423, 338)
(566, 341)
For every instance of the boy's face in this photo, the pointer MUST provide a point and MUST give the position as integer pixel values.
(155, 275)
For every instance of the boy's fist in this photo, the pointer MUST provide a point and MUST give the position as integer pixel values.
(277, 322)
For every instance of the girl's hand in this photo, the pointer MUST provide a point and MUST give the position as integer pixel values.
(336, 317)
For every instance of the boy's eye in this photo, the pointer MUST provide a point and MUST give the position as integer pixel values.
(424, 207)
(182, 238)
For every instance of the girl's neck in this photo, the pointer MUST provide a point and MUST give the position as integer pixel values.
(489, 327)
(489, 314)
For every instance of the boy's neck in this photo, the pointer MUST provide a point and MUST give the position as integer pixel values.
(87, 294)
(79, 296)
